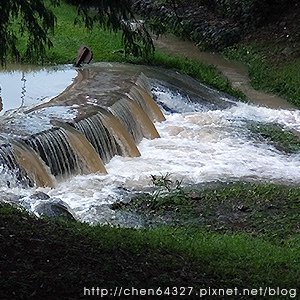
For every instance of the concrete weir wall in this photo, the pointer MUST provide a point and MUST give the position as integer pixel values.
(105, 112)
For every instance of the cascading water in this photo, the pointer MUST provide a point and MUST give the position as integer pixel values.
(124, 111)
(99, 136)
(10, 167)
(204, 137)
(56, 151)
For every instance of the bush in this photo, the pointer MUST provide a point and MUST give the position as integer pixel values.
(251, 13)
(213, 24)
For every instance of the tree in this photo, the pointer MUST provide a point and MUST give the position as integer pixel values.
(116, 15)
(34, 22)
(29, 18)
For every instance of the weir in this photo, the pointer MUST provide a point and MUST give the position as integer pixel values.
(104, 122)
(33, 165)
(90, 160)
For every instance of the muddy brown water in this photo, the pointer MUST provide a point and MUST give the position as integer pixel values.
(236, 72)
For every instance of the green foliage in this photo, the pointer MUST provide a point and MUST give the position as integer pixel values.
(29, 19)
(65, 253)
(167, 193)
(167, 198)
(259, 209)
(212, 24)
(184, 20)
(170, 18)
(68, 37)
(26, 27)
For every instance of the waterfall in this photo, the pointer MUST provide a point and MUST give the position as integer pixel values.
(32, 165)
(123, 110)
(86, 143)
(55, 150)
(10, 166)
(90, 160)
(121, 135)
(99, 136)
(146, 102)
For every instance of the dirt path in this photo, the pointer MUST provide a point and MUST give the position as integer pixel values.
(236, 72)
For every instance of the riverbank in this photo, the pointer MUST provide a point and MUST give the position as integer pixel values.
(235, 70)
(48, 259)
(267, 72)
(262, 210)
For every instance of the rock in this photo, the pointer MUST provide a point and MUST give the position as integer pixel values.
(7, 197)
(84, 55)
(40, 196)
(55, 208)
(103, 214)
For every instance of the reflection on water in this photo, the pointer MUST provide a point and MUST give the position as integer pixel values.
(26, 87)
(23, 79)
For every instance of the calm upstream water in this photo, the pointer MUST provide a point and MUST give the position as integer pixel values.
(25, 86)
(200, 142)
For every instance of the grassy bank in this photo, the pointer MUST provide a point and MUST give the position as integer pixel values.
(201, 71)
(267, 211)
(56, 260)
(268, 72)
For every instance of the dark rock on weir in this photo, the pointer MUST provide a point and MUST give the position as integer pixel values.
(85, 55)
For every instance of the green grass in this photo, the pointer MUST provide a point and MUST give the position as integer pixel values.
(51, 260)
(282, 78)
(68, 37)
(268, 211)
